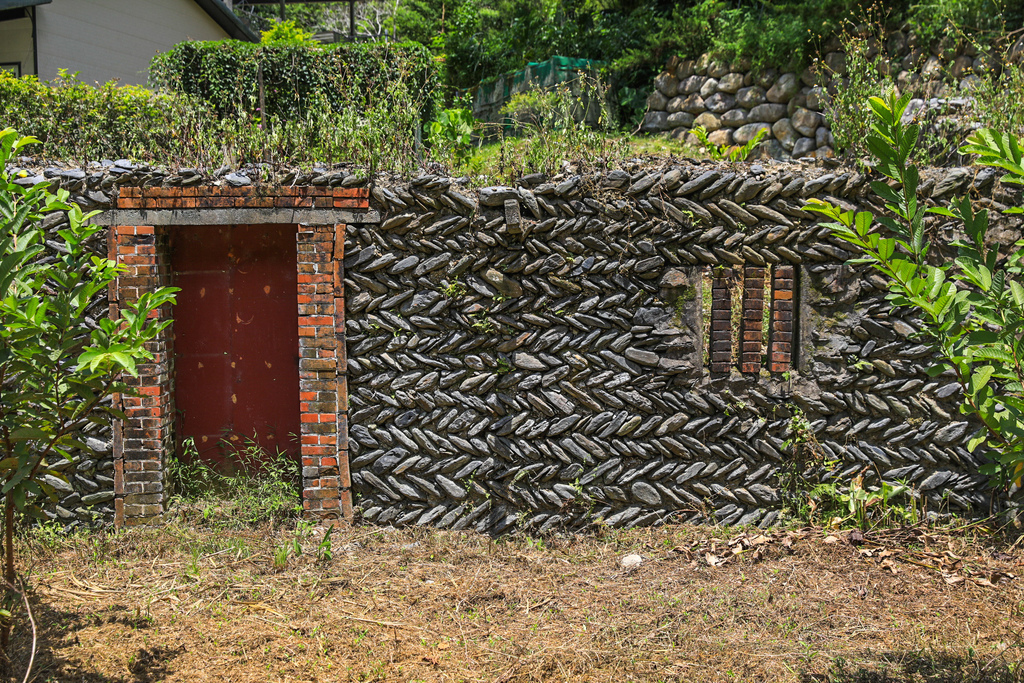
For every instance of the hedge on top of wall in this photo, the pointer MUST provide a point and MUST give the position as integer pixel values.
(228, 74)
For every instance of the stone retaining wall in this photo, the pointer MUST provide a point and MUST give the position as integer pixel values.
(733, 101)
(546, 355)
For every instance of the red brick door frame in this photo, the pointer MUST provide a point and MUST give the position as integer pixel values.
(138, 240)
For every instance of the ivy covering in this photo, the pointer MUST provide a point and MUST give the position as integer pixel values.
(228, 75)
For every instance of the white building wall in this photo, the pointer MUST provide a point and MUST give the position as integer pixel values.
(108, 39)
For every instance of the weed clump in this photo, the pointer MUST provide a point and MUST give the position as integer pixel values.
(263, 488)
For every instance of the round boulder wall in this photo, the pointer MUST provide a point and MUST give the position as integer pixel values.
(720, 102)
(680, 118)
(691, 85)
(721, 137)
(804, 147)
(667, 84)
(784, 89)
(745, 134)
(710, 122)
(654, 121)
(785, 133)
(693, 104)
(730, 83)
(768, 113)
(748, 98)
(806, 121)
(734, 118)
(656, 101)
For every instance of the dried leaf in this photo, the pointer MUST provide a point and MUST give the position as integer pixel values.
(831, 539)
(714, 560)
(952, 579)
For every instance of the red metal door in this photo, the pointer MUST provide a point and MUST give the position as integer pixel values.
(236, 341)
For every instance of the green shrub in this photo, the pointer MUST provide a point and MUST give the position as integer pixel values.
(231, 75)
(286, 33)
(545, 128)
(849, 120)
(971, 307)
(994, 93)
(997, 97)
(78, 122)
(74, 120)
(932, 20)
(451, 133)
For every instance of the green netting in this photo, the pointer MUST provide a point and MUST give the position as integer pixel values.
(491, 95)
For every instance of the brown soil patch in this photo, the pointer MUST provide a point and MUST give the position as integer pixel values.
(180, 604)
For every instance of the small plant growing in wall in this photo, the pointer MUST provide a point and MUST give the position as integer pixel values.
(972, 308)
(57, 371)
(453, 289)
(727, 152)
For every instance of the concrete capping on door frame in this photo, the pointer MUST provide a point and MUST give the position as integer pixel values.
(143, 439)
(240, 216)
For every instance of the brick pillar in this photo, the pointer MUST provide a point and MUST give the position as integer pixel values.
(753, 315)
(781, 347)
(143, 438)
(318, 372)
(721, 321)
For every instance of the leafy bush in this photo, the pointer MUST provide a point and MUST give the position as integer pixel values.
(73, 120)
(931, 20)
(286, 33)
(997, 96)
(57, 368)
(866, 75)
(972, 307)
(78, 122)
(994, 102)
(287, 81)
(728, 152)
(544, 129)
(451, 133)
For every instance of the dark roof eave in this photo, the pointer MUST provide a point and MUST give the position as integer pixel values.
(227, 20)
(21, 4)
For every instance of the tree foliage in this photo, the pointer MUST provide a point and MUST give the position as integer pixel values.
(971, 308)
(57, 370)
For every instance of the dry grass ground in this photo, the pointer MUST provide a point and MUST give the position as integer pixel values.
(184, 603)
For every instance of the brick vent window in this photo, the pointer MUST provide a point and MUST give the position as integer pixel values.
(763, 319)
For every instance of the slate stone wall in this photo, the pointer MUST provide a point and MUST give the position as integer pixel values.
(544, 366)
(541, 356)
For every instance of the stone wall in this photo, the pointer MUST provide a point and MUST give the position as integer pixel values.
(583, 348)
(534, 356)
(733, 101)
